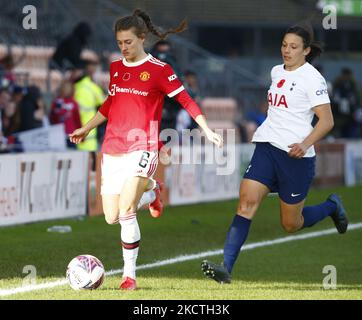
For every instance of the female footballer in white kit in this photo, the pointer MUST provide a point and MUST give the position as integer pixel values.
(284, 156)
(138, 84)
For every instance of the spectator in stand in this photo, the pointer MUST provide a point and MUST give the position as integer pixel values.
(183, 119)
(162, 50)
(89, 97)
(346, 101)
(18, 93)
(4, 101)
(65, 109)
(7, 65)
(68, 53)
(11, 119)
(254, 118)
(32, 110)
(192, 85)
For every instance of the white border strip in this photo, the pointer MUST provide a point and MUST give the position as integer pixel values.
(183, 258)
(177, 91)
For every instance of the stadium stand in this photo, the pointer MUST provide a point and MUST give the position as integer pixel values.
(219, 76)
(221, 113)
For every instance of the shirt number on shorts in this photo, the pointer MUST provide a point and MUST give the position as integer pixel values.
(144, 159)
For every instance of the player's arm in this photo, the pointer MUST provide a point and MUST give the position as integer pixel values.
(193, 109)
(101, 116)
(324, 125)
(80, 134)
(172, 86)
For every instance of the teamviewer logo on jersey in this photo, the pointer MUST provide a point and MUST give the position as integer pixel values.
(115, 89)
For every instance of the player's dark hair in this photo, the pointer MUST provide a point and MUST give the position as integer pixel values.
(141, 22)
(306, 33)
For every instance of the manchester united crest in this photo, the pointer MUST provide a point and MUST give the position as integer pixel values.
(145, 76)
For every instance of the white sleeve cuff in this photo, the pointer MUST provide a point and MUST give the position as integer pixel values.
(177, 91)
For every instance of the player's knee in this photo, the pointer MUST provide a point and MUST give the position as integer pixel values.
(111, 213)
(247, 206)
(111, 219)
(290, 227)
(126, 210)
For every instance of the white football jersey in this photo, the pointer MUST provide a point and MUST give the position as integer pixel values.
(291, 97)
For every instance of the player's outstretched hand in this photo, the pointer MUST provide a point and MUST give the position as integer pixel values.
(164, 155)
(215, 138)
(78, 135)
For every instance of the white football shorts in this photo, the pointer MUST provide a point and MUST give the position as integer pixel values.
(117, 168)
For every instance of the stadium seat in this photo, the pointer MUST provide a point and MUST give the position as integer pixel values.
(33, 61)
(219, 108)
(221, 113)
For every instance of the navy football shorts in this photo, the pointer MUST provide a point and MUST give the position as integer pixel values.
(290, 177)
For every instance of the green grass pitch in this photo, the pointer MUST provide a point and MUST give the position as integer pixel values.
(291, 270)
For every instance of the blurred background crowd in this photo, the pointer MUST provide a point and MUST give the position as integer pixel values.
(58, 73)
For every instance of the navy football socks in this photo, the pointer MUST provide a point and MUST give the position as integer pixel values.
(236, 237)
(239, 229)
(313, 214)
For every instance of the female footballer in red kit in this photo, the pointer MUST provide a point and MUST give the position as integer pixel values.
(133, 108)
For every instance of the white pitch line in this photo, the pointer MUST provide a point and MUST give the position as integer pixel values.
(183, 258)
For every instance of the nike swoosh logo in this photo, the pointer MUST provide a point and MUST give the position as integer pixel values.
(295, 194)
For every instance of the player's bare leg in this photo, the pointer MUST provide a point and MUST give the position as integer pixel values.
(291, 216)
(156, 207)
(152, 197)
(296, 216)
(132, 191)
(110, 204)
(251, 194)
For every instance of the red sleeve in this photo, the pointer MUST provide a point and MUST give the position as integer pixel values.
(188, 103)
(104, 109)
(169, 82)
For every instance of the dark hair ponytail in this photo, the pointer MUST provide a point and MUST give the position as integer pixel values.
(150, 26)
(305, 31)
(316, 49)
(142, 24)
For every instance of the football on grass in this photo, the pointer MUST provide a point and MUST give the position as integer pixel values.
(85, 272)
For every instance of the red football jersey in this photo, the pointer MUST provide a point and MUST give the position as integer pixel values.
(65, 110)
(134, 104)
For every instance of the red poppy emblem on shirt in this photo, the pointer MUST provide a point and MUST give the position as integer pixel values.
(126, 76)
(280, 83)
